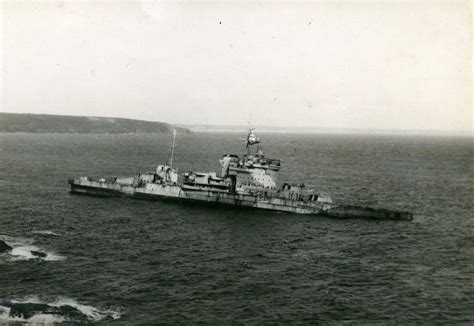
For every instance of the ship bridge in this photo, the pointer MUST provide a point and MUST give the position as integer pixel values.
(252, 171)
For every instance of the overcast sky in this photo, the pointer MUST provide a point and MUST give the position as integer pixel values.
(388, 65)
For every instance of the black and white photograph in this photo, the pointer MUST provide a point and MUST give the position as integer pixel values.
(236, 162)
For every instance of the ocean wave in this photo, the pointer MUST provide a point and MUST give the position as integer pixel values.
(16, 241)
(35, 311)
(23, 249)
(46, 232)
(34, 252)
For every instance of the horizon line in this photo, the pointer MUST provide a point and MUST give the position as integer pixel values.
(274, 128)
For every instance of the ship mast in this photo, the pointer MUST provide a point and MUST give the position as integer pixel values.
(251, 139)
(172, 149)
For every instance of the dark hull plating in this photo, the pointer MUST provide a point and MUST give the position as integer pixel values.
(334, 211)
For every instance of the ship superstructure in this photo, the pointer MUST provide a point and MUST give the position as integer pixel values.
(247, 181)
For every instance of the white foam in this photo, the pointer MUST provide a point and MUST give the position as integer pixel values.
(46, 232)
(46, 319)
(38, 319)
(4, 313)
(50, 256)
(23, 252)
(16, 241)
(89, 311)
(22, 247)
(93, 314)
(28, 299)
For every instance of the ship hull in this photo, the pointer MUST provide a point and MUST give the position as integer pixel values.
(367, 212)
(177, 193)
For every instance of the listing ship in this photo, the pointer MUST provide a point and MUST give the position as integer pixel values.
(247, 181)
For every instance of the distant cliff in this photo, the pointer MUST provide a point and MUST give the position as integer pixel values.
(45, 123)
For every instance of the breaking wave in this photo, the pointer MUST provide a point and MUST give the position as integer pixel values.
(46, 232)
(24, 249)
(34, 311)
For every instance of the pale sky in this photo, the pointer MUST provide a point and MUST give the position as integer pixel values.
(371, 64)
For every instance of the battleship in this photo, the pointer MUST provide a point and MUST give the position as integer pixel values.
(249, 181)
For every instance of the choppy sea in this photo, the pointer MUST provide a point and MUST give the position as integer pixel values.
(127, 262)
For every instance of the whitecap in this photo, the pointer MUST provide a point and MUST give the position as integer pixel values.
(50, 256)
(46, 232)
(92, 313)
(16, 241)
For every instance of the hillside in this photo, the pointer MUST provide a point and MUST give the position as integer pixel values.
(45, 123)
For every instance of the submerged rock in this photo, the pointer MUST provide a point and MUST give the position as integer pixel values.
(4, 247)
(38, 254)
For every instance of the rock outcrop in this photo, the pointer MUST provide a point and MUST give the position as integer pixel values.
(4, 247)
(38, 254)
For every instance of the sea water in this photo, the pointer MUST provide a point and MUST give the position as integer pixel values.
(130, 262)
